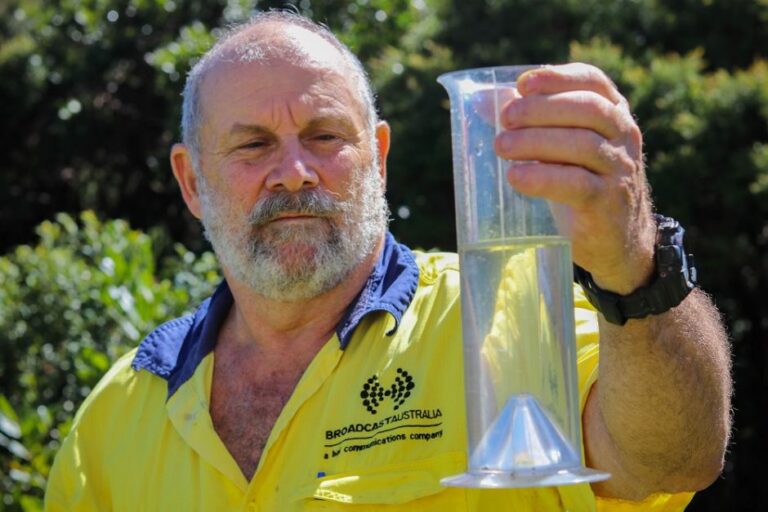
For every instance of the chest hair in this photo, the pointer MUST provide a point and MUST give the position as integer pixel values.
(245, 404)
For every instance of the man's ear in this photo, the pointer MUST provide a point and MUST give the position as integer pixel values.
(382, 143)
(183, 171)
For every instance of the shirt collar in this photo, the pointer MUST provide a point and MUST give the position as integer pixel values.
(174, 350)
(390, 288)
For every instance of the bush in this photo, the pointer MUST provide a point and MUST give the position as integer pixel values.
(70, 306)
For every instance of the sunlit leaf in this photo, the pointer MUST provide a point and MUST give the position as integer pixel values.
(9, 421)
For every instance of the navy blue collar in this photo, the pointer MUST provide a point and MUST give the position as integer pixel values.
(174, 350)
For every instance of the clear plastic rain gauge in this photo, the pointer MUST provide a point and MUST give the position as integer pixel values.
(517, 307)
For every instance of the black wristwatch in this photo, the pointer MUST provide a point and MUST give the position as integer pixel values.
(674, 279)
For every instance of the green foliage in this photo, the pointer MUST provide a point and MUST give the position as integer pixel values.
(90, 96)
(92, 106)
(730, 33)
(84, 295)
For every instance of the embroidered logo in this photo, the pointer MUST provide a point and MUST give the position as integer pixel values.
(373, 393)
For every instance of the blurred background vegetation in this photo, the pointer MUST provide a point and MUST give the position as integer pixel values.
(89, 97)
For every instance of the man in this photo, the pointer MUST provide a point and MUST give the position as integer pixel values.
(326, 371)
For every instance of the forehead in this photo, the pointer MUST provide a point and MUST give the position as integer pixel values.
(276, 95)
(280, 62)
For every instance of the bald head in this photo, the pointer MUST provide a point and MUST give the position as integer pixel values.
(272, 37)
(269, 40)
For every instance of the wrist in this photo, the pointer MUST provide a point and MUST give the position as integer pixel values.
(636, 268)
(672, 279)
(637, 274)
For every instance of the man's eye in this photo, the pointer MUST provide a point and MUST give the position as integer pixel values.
(326, 137)
(254, 144)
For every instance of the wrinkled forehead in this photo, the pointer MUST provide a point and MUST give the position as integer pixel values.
(272, 48)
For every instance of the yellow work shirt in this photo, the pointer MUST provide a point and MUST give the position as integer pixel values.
(377, 419)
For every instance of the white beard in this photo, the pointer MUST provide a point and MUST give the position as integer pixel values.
(299, 261)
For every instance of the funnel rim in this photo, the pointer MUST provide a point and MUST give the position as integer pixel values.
(504, 479)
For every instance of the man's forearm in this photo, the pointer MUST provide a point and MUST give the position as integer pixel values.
(660, 417)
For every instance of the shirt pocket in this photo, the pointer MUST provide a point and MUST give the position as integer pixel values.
(412, 485)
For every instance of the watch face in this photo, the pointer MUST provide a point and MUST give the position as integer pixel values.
(669, 259)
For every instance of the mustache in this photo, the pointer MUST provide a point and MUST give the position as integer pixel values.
(304, 202)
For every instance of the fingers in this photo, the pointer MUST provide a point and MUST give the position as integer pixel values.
(574, 109)
(564, 184)
(571, 115)
(574, 142)
(566, 146)
(569, 77)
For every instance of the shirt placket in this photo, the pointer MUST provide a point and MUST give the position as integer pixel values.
(318, 372)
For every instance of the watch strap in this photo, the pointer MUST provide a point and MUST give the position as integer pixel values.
(674, 278)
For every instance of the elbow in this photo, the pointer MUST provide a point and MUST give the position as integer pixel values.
(695, 479)
(706, 455)
(700, 471)
(706, 474)
(709, 475)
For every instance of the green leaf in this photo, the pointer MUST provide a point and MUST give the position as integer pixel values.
(96, 359)
(9, 422)
(31, 503)
(15, 447)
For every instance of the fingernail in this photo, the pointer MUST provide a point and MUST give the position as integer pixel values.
(527, 81)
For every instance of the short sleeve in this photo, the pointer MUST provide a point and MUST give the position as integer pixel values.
(653, 503)
(587, 343)
(76, 481)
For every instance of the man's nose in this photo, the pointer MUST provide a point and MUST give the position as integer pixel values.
(293, 171)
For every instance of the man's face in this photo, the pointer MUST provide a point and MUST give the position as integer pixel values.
(292, 195)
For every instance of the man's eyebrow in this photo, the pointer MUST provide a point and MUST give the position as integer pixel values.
(342, 121)
(248, 129)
